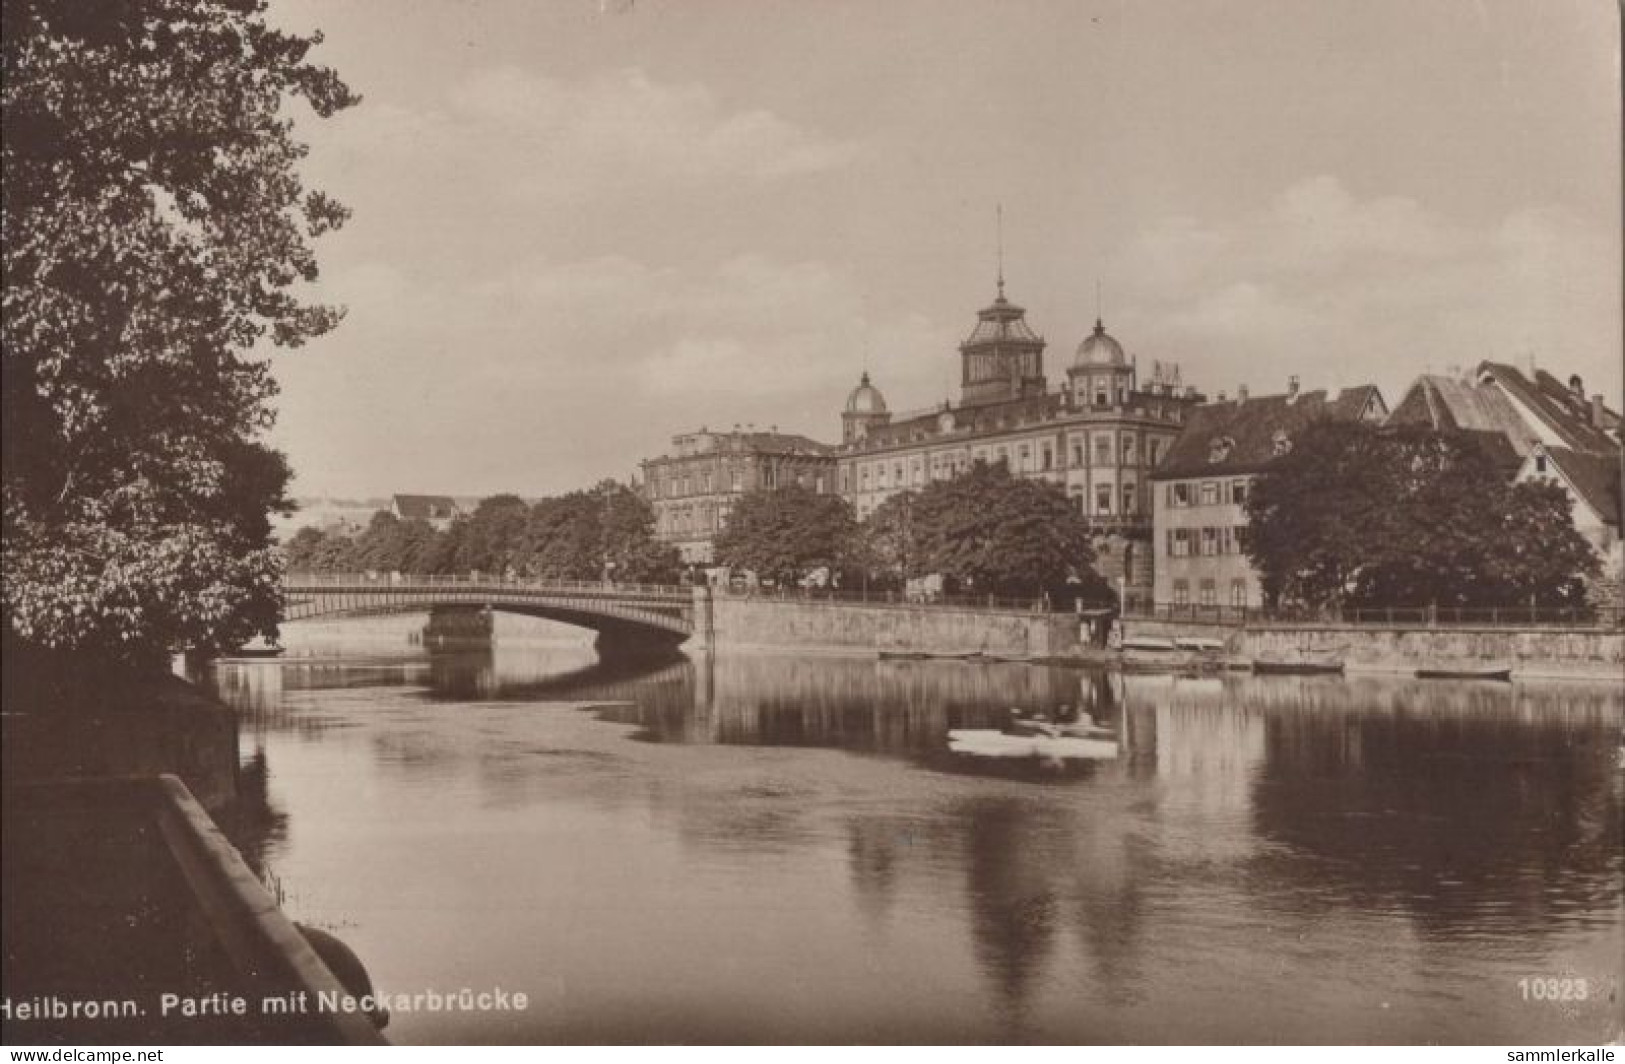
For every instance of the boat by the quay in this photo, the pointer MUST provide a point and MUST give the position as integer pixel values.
(1323, 662)
(1502, 673)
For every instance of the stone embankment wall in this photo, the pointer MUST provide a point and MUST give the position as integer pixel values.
(749, 621)
(1553, 652)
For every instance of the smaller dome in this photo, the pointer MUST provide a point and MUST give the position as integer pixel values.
(1099, 349)
(865, 398)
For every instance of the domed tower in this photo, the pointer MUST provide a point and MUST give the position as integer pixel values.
(1101, 374)
(1003, 358)
(865, 409)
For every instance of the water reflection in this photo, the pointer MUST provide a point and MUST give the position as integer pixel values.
(1418, 846)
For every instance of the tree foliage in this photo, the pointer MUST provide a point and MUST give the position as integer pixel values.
(1001, 534)
(1361, 516)
(155, 231)
(785, 534)
(607, 531)
(888, 545)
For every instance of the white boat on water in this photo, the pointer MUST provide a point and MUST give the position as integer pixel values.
(990, 742)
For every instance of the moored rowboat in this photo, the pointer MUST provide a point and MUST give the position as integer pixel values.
(1489, 672)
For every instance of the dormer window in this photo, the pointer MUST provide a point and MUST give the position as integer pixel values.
(1280, 443)
(1219, 448)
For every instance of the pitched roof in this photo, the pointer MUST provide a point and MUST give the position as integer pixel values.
(1594, 477)
(1565, 413)
(1447, 403)
(425, 507)
(1244, 431)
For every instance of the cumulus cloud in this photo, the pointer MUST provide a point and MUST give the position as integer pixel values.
(1348, 289)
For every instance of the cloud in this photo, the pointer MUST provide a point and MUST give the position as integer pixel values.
(1355, 289)
(526, 376)
(537, 139)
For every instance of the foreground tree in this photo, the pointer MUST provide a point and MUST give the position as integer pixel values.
(1361, 516)
(784, 534)
(155, 229)
(1002, 534)
(888, 541)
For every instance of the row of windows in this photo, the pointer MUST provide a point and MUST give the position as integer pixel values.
(1185, 542)
(1207, 493)
(1208, 592)
(1022, 458)
(1104, 496)
(681, 521)
(674, 487)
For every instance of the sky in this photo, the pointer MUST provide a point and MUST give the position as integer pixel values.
(583, 226)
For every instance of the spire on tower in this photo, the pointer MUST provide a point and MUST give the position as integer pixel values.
(999, 227)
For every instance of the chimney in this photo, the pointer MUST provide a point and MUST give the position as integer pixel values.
(1577, 386)
(1599, 413)
(1292, 387)
(1241, 393)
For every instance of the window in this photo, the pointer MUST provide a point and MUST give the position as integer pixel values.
(1128, 499)
(1103, 450)
(1238, 593)
(1210, 594)
(1238, 491)
(1048, 457)
(1077, 453)
(1181, 494)
(1179, 543)
(1128, 448)
(1540, 463)
(1026, 458)
(1103, 498)
(1077, 498)
(1182, 592)
(1153, 451)
(1210, 492)
(705, 483)
(1210, 542)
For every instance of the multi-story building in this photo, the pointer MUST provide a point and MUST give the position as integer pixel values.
(439, 510)
(1557, 432)
(693, 488)
(1097, 436)
(1203, 481)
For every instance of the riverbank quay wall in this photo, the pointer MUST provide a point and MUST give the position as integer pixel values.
(1533, 651)
(752, 621)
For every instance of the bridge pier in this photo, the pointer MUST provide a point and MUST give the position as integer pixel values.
(705, 624)
(461, 625)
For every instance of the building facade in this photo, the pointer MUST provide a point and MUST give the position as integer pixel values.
(1097, 436)
(1202, 486)
(693, 488)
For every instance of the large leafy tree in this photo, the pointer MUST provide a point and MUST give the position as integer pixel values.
(608, 530)
(1365, 516)
(784, 534)
(888, 543)
(155, 232)
(1001, 534)
(492, 539)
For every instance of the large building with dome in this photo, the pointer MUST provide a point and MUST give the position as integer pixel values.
(1096, 435)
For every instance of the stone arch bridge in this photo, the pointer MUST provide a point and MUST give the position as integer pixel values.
(627, 617)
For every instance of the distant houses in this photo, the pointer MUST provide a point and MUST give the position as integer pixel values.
(439, 510)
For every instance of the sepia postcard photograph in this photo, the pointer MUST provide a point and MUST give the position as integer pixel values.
(812, 522)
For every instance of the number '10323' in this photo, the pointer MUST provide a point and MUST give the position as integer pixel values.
(1552, 988)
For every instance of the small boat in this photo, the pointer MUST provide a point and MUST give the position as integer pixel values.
(1149, 644)
(1488, 672)
(1307, 665)
(254, 652)
(990, 742)
(1187, 642)
(904, 655)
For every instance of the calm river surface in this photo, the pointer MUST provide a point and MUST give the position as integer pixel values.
(777, 848)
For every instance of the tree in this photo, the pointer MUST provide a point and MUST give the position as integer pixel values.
(888, 542)
(784, 534)
(606, 531)
(1362, 516)
(1002, 534)
(493, 538)
(155, 227)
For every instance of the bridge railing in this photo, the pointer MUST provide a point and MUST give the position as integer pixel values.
(381, 581)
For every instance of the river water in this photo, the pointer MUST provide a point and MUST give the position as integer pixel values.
(778, 848)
